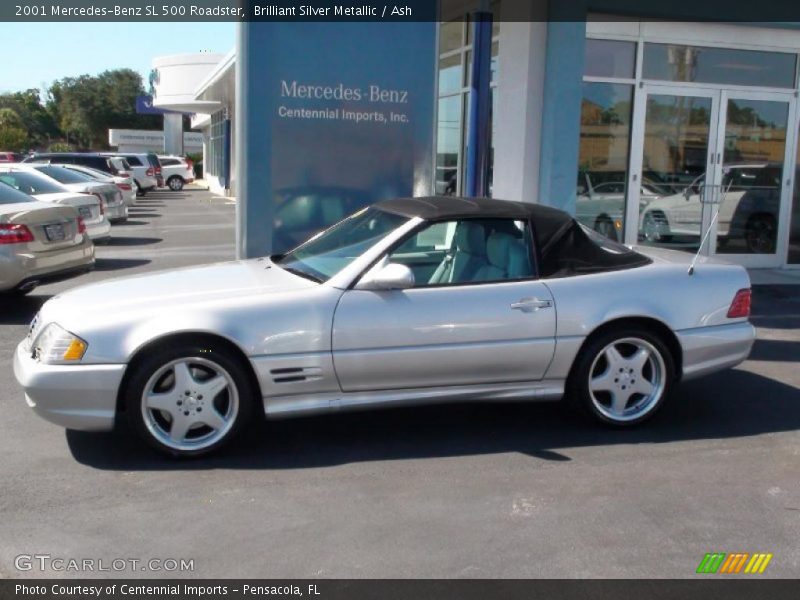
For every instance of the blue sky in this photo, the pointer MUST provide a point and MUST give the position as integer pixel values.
(39, 53)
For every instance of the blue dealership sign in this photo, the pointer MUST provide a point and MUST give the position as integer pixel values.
(331, 117)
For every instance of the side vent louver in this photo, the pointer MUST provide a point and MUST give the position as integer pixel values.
(294, 374)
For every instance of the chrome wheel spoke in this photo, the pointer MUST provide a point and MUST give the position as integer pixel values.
(639, 360)
(212, 388)
(183, 376)
(213, 419)
(643, 387)
(180, 427)
(604, 382)
(164, 402)
(619, 401)
(614, 358)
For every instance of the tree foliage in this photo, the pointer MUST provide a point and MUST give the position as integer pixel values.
(78, 111)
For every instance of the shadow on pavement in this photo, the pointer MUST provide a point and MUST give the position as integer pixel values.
(133, 241)
(776, 306)
(730, 404)
(111, 264)
(20, 310)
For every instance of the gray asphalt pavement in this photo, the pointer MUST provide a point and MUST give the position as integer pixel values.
(504, 490)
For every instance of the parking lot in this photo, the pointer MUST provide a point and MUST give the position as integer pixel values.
(502, 490)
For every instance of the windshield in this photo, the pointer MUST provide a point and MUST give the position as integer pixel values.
(62, 174)
(30, 183)
(324, 255)
(9, 195)
(89, 172)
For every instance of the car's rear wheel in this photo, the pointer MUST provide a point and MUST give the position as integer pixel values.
(189, 399)
(175, 183)
(622, 377)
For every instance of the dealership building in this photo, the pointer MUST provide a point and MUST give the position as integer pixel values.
(678, 131)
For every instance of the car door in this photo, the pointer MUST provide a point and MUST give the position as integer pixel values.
(487, 321)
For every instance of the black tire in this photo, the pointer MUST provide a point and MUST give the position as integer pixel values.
(152, 424)
(761, 234)
(590, 363)
(175, 183)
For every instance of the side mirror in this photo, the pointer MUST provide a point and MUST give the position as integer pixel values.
(393, 276)
(581, 190)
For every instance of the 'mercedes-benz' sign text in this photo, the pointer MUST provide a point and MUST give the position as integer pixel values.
(373, 93)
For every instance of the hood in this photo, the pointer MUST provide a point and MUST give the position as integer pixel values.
(142, 295)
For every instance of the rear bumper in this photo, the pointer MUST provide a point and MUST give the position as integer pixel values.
(100, 230)
(117, 213)
(82, 397)
(18, 271)
(710, 349)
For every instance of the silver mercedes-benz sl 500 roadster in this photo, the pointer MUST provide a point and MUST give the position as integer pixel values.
(408, 301)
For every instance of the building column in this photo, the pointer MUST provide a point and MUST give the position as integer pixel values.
(173, 133)
(518, 121)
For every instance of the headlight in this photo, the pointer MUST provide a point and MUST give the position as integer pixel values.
(55, 345)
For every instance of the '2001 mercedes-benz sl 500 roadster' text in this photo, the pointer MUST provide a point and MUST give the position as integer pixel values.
(408, 301)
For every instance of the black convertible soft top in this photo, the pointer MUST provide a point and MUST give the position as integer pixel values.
(565, 248)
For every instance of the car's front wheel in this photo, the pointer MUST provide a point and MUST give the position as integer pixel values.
(622, 377)
(175, 183)
(188, 399)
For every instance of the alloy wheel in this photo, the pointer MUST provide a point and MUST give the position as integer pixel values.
(190, 403)
(627, 379)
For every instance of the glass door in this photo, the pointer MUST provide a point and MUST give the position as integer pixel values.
(751, 184)
(673, 155)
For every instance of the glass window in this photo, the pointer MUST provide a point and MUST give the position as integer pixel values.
(31, 183)
(467, 251)
(718, 65)
(451, 36)
(610, 58)
(793, 256)
(9, 195)
(448, 147)
(603, 157)
(450, 79)
(62, 174)
(324, 255)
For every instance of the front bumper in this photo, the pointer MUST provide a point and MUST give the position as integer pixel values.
(82, 397)
(710, 349)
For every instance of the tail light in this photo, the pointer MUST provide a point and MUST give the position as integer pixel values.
(189, 163)
(81, 225)
(102, 202)
(14, 234)
(740, 307)
(123, 174)
(125, 187)
(150, 172)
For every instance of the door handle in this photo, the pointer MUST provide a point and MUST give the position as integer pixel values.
(530, 304)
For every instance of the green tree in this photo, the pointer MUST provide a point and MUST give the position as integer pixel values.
(35, 119)
(86, 107)
(13, 137)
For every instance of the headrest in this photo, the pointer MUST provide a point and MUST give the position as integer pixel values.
(471, 238)
(498, 249)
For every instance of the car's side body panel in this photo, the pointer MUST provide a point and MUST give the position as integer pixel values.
(442, 336)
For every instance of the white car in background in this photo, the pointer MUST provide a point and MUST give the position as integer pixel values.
(145, 172)
(108, 193)
(125, 170)
(177, 171)
(39, 242)
(45, 189)
(124, 184)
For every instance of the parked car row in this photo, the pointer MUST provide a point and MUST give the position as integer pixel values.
(146, 170)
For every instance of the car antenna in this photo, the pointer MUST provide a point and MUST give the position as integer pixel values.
(711, 224)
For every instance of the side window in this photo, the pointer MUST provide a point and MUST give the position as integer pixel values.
(168, 162)
(134, 161)
(467, 251)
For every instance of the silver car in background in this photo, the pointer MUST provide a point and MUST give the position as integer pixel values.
(39, 242)
(45, 189)
(123, 183)
(409, 301)
(108, 193)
